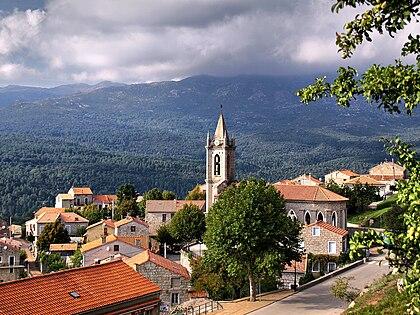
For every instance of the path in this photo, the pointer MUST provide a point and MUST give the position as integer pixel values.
(318, 299)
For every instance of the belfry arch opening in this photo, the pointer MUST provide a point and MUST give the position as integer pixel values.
(217, 165)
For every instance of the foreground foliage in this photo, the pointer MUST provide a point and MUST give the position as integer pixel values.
(53, 233)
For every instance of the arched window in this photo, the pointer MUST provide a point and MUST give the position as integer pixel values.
(292, 215)
(320, 216)
(334, 219)
(307, 218)
(217, 165)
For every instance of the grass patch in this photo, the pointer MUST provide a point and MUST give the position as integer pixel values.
(387, 203)
(382, 298)
(358, 218)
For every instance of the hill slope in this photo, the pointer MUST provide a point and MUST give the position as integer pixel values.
(154, 134)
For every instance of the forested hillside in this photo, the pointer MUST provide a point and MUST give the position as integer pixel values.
(154, 135)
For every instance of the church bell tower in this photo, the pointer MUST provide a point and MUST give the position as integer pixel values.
(220, 158)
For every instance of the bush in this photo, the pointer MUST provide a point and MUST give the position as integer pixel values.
(341, 289)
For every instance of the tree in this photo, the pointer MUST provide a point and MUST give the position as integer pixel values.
(164, 236)
(76, 259)
(395, 88)
(248, 230)
(53, 233)
(168, 195)
(196, 194)
(127, 202)
(92, 213)
(393, 219)
(188, 224)
(155, 194)
(54, 262)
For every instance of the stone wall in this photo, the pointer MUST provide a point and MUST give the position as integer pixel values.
(162, 277)
(326, 208)
(319, 244)
(5, 274)
(97, 232)
(125, 230)
(73, 227)
(154, 220)
(288, 279)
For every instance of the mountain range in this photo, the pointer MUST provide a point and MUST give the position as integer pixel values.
(154, 135)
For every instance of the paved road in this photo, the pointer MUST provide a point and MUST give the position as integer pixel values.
(318, 299)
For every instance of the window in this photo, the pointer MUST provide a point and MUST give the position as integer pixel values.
(105, 230)
(217, 165)
(315, 266)
(307, 218)
(1, 259)
(175, 282)
(116, 248)
(77, 202)
(11, 260)
(331, 266)
(320, 216)
(133, 228)
(332, 247)
(164, 217)
(344, 245)
(334, 219)
(316, 231)
(86, 201)
(175, 298)
(292, 215)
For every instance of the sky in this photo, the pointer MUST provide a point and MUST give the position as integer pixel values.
(53, 42)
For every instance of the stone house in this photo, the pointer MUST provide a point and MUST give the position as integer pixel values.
(4, 230)
(322, 238)
(10, 265)
(384, 187)
(106, 248)
(99, 229)
(159, 212)
(112, 288)
(172, 278)
(340, 176)
(387, 171)
(309, 204)
(131, 226)
(73, 222)
(105, 201)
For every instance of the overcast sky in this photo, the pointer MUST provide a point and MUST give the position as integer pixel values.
(68, 41)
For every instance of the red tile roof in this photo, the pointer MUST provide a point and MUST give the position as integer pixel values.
(307, 177)
(329, 227)
(48, 209)
(48, 217)
(308, 193)
(98, 286)
(348, 173)
(163, 262)
(81, 191)
(107, 222)
(128, 220)
(4, 241)
(300, 266)
(71, 217)
(104, 199)
(171, 206)
(364, 180)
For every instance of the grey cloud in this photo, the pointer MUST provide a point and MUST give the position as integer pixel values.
(133, 41)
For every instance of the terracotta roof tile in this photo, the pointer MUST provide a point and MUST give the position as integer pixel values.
(48, 209)
(348, 172)
(105, 199)
(300, 266)
(128, 220)
(171, 206)
(364, 180)
(107, 222)
(63, 247)
(98, 286)
(308, 193)
(329, 227)
(307, 177)
(163, 262)
(48, 217)
(4, 241)
(98, 242)
(71, 217)
(81, 191)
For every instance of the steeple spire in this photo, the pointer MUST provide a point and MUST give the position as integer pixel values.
(221, 130)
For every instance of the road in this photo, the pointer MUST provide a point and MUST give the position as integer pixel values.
(318, 299)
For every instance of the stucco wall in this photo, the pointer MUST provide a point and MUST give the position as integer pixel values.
(97, 232)
(106, 250)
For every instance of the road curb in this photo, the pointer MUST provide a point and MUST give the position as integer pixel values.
(330, 275)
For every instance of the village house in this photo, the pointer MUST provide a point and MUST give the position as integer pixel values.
(292, 274)
(387, 171)
(64, 250)
(99, 229)
(112, 288)
(159, 212)
(340, 177)
(384, 187)
(108, 248)
(10, 264)
(322, 238)
(172, 278)
(83, 196)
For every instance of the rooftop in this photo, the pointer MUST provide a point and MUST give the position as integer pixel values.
(171, 206)
(49, 210)
(74, 291)
(308, 193)
(72, 217)
(4, 241)
(163, 262)
(108, 222)
(129, 220)
(80, 191)
(348, 172)
(98, 242)
(63, 247)
(106, 199)
(364, 180)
